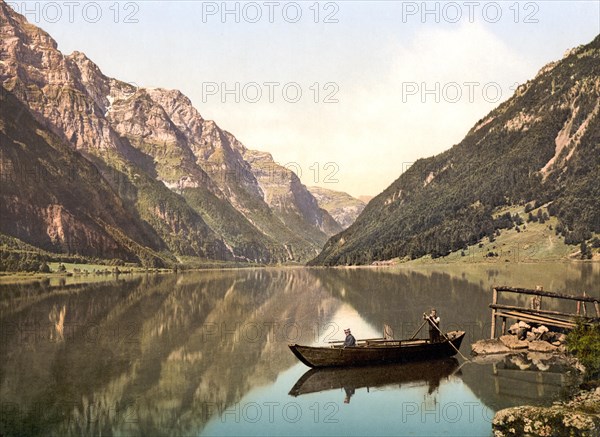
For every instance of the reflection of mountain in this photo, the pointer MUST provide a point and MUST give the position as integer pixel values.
(157, 350)
(350, 379)
(166, 353)
(399, 298)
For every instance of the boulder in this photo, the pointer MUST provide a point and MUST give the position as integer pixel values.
(577, 417)
(541, 346)
(512, 342)
(540, 333)
(491, 346)
(514, 328)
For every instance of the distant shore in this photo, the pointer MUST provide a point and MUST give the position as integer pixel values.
(95, 272)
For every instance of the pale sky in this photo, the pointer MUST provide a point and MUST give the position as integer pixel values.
(393, 81)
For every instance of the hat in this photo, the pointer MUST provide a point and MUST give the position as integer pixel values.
(347, 330)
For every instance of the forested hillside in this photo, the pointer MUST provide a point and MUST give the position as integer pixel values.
(542, 147)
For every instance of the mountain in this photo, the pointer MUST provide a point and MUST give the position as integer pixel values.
(540, 148)
(37, 169)
(343, 207)
(175, 185)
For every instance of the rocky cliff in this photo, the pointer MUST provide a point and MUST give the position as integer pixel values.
(193, 188)
(343, 207)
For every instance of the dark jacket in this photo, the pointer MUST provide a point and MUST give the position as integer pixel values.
(349, 341)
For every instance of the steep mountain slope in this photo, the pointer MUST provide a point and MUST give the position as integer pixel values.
(343, 207)
(540, 146)
(187, 180)
(55, 199)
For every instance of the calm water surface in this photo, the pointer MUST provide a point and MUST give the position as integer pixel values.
(206, 353)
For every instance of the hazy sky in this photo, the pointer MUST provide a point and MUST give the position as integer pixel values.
(381, 83)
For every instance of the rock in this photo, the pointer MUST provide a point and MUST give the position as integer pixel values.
(540, 333)
(541, 346)
(341, 206)
(556, 343)
(580, 416)
(530, 336)
(512, 342)
(562, 338)
(519, 329)
(491, 346)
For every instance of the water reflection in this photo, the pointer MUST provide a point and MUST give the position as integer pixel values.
(524, 378)
(170, 354)
(430, 373)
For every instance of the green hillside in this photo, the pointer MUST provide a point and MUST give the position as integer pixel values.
(542, 146)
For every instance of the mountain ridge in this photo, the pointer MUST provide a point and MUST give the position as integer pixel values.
(190, 183)
(540, 146)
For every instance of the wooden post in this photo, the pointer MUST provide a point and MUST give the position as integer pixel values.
(597, 309)
(539, 300)
(584, 308)
(503, 325)
(578, 307)
(494, 300)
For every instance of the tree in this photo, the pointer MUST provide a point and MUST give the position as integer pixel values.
(586, 253)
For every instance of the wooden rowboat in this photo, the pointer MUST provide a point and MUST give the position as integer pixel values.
(369, 352)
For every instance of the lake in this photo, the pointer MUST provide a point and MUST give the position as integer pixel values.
(205, 353)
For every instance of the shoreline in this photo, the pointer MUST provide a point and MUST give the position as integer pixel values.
(91, 270)
(578, 415)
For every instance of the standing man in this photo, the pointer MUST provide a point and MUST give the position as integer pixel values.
(350, 341)
(434, 325)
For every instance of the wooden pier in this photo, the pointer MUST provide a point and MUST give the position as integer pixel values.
(536, 314)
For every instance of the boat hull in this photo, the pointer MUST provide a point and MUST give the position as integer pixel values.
(384, 353)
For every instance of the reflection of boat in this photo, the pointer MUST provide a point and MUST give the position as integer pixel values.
(352, 378)
(378, 351)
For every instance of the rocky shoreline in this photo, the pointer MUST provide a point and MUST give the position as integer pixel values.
(522, 337)
(579, 416)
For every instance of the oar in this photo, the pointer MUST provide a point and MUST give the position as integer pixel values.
(417, 331)
(444, 335)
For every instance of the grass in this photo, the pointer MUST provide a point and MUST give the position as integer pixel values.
(535, 243)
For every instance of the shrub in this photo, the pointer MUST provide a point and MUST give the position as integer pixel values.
(584, 343)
